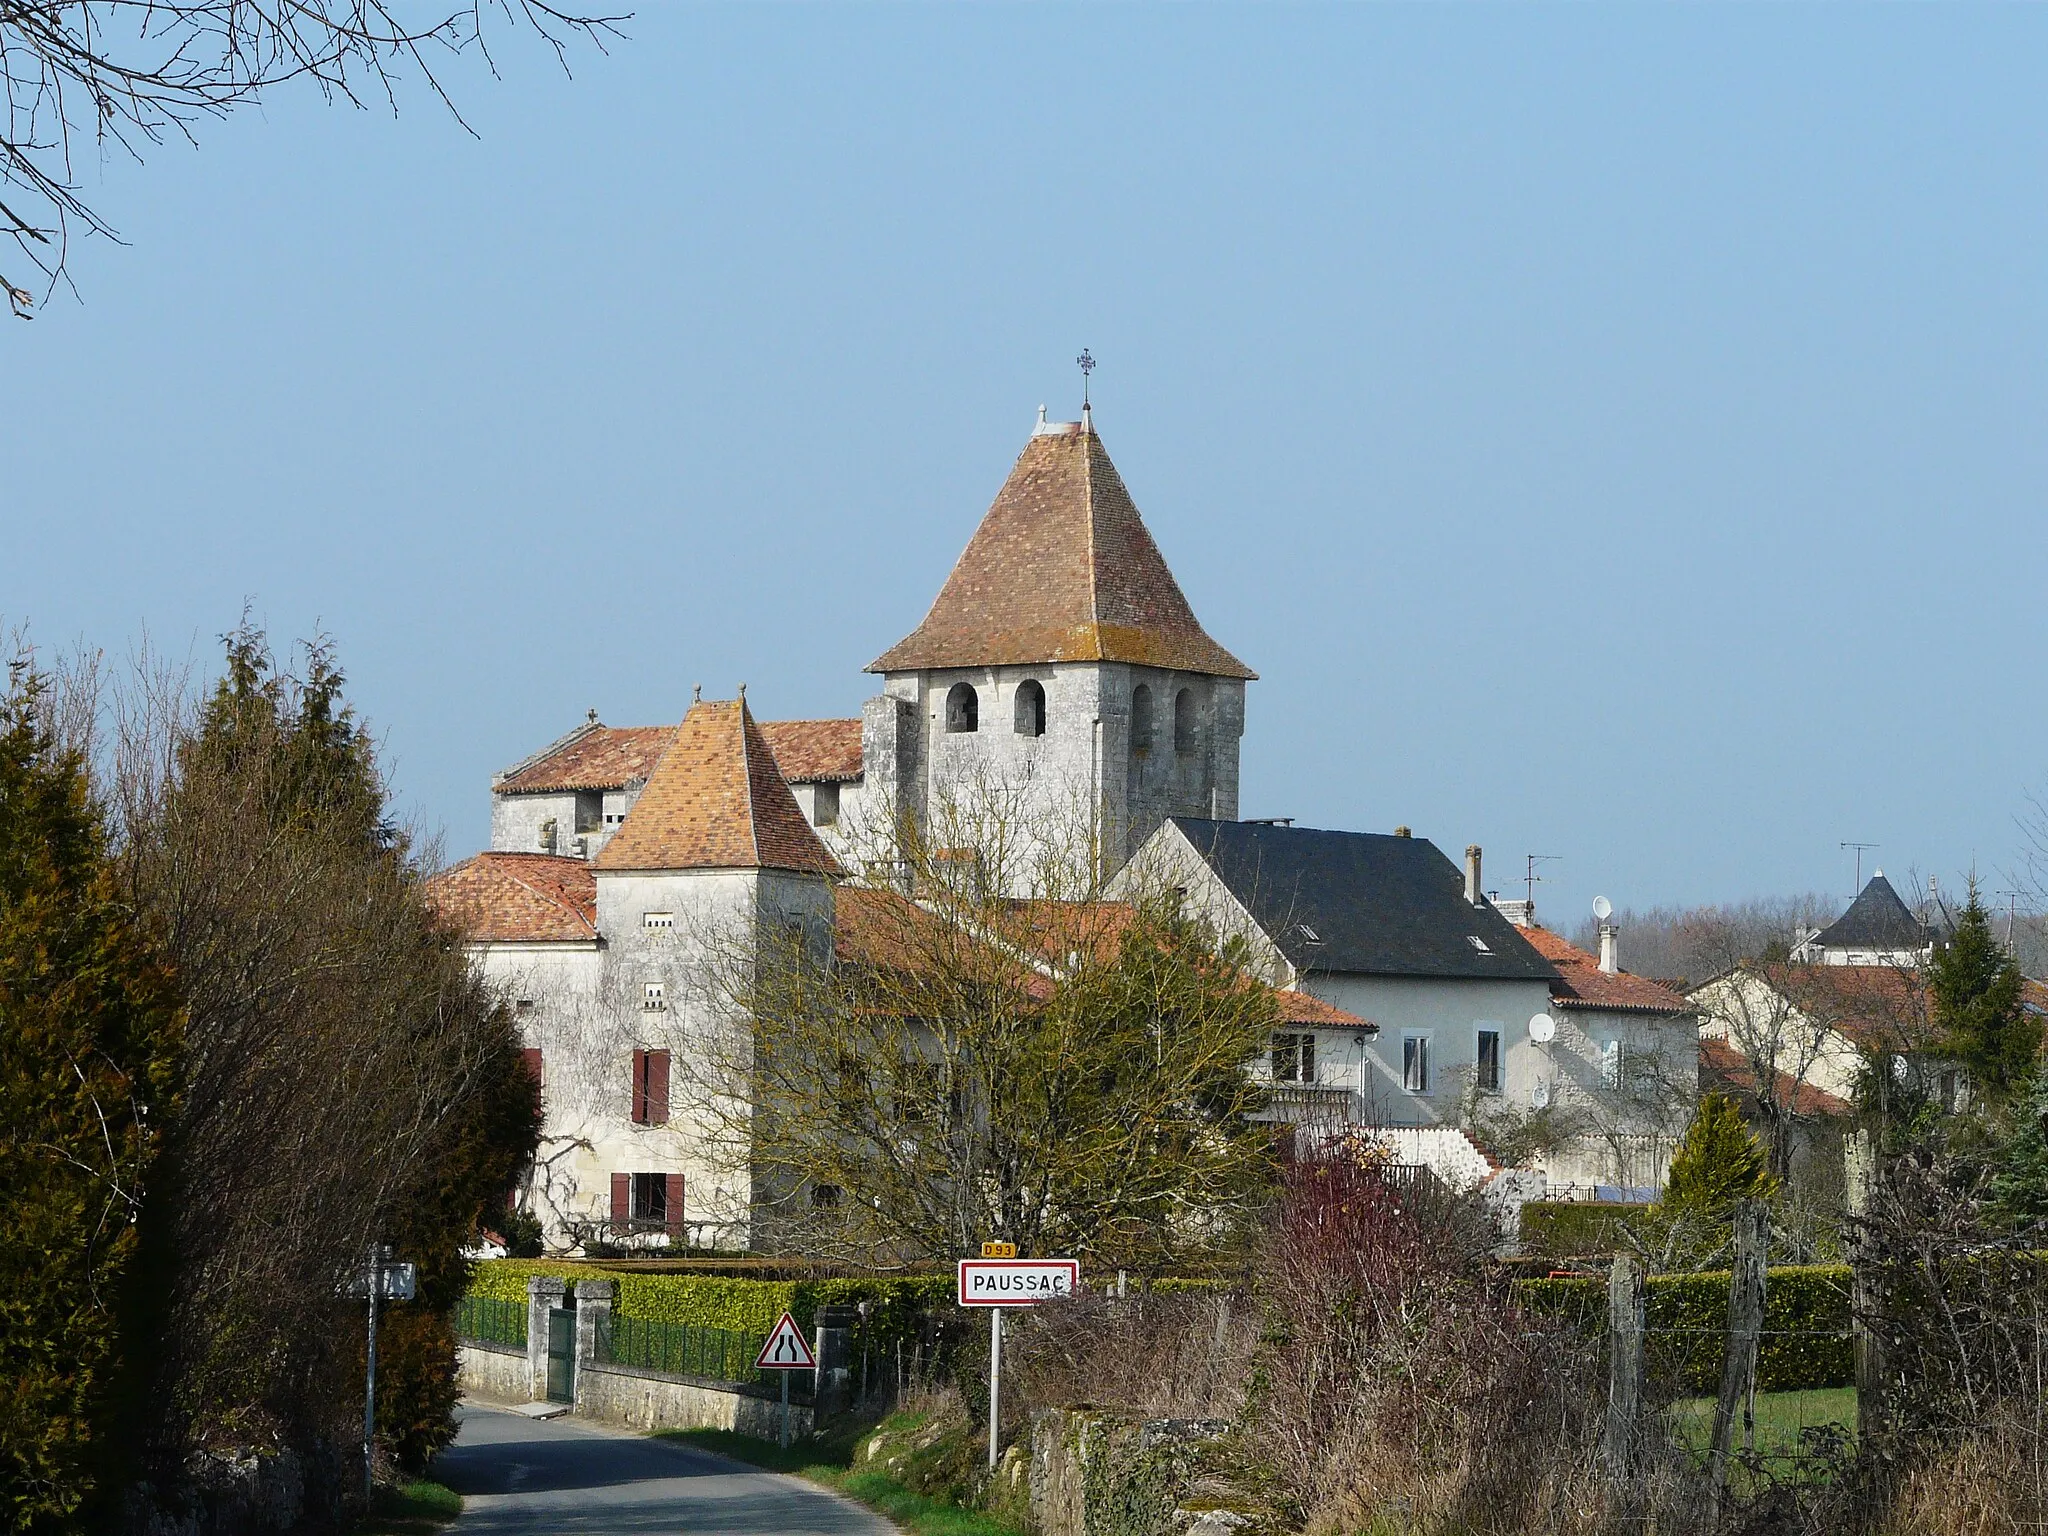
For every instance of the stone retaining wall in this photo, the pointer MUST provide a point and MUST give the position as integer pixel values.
(639, 1399)
(496, 1371)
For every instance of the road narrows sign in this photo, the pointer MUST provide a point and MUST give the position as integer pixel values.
(787, 1349)
(1017, 1282)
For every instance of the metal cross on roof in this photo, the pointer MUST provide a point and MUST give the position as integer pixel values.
(1087, 366)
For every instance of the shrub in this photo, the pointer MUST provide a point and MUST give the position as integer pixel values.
(1573, 1228)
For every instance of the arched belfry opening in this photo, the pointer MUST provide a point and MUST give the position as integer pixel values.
(963, 709)
(1141, 718)
(1030, 708)
(1185, 727)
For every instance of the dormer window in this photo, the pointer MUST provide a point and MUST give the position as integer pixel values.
(963, 710)
(1030, 708)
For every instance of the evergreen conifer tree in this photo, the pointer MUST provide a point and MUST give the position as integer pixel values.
(1975, 988)
(1719, 1163)
(89, 1036)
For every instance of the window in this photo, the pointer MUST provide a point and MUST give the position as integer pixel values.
(1184, 722)
(1141, 718)
(524, 1005)
(650, 1087)
(1294, 1058)
(1478, 943)
(963, 709)
(824, 804)
(1030, 708)
(589, 812)
(645, 1200)
(655, 998)
(825, 1197)
(1415, 1063)
(532, 1060)
(1487, 1070)
(1610, 1063)
(1306, 934)
(919, 1087)
(661, 920)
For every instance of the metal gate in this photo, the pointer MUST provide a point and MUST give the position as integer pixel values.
(561, 1355)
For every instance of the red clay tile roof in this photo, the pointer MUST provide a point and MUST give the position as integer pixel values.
(814, 751)
(512, 898)
(716, 800)
(1061, 569)
(612, 756)
(1724, 1069)
(1582, 984)
(1873, 1005)
(1300, 1008)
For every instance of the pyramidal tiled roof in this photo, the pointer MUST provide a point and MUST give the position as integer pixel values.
(716, 800)
(1876, 919)
(1061, 569)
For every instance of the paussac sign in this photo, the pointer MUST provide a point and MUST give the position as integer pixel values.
(1017, 1282)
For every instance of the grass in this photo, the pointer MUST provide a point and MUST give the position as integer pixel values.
(414, 1509)
(829, 1462)
(1780, 1416)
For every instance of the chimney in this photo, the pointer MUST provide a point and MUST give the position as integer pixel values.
(1609, 935)
(1472, 874)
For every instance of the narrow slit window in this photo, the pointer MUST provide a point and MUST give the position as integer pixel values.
(1488, 1066)
(1415, 1063)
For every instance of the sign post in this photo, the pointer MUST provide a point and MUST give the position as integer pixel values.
(1000, 1279)
(786, 1350)
(392, 1282)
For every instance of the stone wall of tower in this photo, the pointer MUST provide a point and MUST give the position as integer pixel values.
(1093, 777)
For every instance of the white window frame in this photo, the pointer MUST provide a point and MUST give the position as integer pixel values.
(660, 922)
(1301, 1045)
(1422, 1038)
(1612, 1074)
(654, 999)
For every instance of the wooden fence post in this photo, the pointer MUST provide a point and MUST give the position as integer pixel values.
(1624, 1366)
(1745, 1328)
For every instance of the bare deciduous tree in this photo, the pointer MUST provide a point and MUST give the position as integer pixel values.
(85, 77)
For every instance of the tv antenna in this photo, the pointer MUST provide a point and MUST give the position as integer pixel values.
(1531, 878)
(2012, 903)
(1087, 366)
(1860, 848)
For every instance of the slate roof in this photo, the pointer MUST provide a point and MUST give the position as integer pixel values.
(611, 756)
(1362, 903)
(1876, 919)
(510, 898)
(1061, 569)
(1582, 984)
(716, 800)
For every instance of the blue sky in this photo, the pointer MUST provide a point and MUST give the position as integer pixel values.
(1612, 433)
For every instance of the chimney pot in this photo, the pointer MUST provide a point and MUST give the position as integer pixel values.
(1472, 892)
(1610, 961)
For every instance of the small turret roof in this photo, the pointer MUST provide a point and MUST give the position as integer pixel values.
(1061, 569)
(1876, 919)
(716, 800)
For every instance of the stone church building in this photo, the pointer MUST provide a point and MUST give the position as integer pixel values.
(1061, 673)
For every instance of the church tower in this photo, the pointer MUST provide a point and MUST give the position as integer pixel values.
(1062, 662)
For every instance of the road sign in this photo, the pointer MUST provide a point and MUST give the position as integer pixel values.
(999, 1250)
(395, 1282)
(787, 1349)
(1017, 1282)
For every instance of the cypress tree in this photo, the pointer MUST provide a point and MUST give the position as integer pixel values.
(1975, 989)
(1719, 1162)
(89, 1036)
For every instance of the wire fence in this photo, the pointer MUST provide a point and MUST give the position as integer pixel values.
(485, 1320)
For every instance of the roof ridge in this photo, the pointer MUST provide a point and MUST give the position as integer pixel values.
(748, 735)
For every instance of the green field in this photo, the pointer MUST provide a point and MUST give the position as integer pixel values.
(1780, 1418)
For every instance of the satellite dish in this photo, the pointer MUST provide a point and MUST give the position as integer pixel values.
(1542, 1029)
(1602, 908)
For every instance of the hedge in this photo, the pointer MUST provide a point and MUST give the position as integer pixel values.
(1561, 1228)
(1806, 1340)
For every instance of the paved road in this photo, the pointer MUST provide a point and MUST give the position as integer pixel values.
(538, 1477)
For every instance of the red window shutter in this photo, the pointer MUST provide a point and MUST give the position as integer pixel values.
(622, 1197)
(532, 1060)
(657, 1087)
(639, 1087)
(674, 1213)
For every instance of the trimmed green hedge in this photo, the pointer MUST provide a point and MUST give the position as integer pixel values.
(1806, 1341)
(1564, 1228)
(737, 1305)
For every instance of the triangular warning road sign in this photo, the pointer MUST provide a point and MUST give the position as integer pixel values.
(786, 1349)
